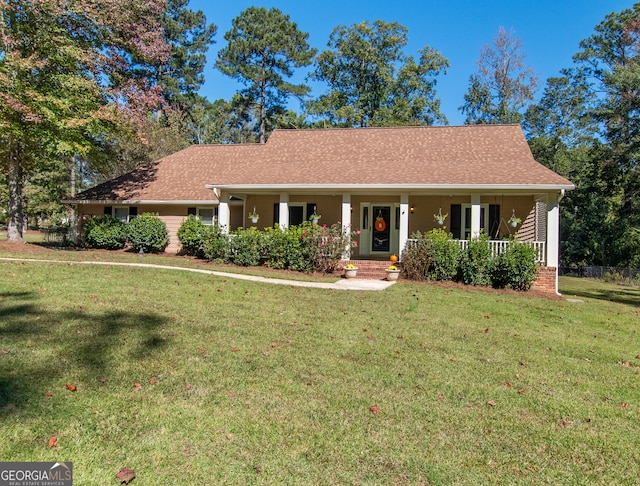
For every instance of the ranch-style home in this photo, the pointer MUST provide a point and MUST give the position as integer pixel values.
(385, 182)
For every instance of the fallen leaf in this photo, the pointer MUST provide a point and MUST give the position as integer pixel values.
(137, 385)
(469, 405)
(53, 441)
(624, 405)
(638, 357)
(486, 330)
(125, 475)
(508, 384)
(274, 344)
(102, 379)
(48, 394)
(522, 392)
(71, 387)
(4, 351)
(453, 358)
(563, 423)
(440, 396)
(235, 350)
(491, 403)
(374, 409)
(153, 381)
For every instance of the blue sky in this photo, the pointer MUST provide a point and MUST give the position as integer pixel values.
(550, 31)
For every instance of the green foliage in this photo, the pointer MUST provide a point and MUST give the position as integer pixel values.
(327, 245)
(192, 234)
(444, 253)
(516, 267)
(416, 258)
(105, 233)
(373, 83)
(264, 47)
(247, 247)
(476, 262)
(285, 249)
(147, 233)
(215, 246)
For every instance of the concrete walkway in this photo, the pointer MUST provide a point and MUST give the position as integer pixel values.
(341, 284)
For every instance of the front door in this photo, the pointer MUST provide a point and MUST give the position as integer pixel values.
(379, 232)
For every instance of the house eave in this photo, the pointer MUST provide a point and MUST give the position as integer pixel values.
(135, 202)
(441, 188)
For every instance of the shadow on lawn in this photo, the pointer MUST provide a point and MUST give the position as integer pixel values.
(612, 293)
(41, 351)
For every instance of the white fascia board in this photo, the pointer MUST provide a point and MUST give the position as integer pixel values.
(130, 202)
(390, 187)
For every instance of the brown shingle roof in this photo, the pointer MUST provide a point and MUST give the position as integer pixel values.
(460, 156)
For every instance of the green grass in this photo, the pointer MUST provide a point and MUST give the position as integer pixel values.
(245, 383)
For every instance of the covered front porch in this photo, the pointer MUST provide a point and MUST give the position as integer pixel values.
(385, 220)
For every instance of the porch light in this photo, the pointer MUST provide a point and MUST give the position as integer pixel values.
(412, 209)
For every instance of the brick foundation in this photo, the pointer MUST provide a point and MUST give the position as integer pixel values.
(546, 280)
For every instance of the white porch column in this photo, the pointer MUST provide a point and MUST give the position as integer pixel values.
(404, 223)
(283, 210)
(346, 220)
(346, 211)
(224, 214)
(553, 233)
(475, 215)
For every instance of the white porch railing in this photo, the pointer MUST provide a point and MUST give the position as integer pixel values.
(499, 246)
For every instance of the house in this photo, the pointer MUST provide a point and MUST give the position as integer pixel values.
(386, 182)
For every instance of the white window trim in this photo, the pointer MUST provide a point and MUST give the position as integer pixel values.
(484, 208)
(213, 215)
(115, 208)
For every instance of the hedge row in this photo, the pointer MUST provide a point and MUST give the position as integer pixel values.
(436, 256)
(145, 233)
(302, 248)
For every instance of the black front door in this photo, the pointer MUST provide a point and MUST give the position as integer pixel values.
(381, 228)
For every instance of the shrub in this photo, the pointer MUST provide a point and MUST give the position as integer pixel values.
(104, 232)
(215, 245)
(192, 234)
(416, 258)
(445, 255)
(516, 268)
(147, 232)
(327, 245)
(476, 262)
(246, 247)
(285, 249)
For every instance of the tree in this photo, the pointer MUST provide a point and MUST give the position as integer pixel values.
(502, 85)
(68, 72)
(373, 83)
(264, 47)
(609, 59)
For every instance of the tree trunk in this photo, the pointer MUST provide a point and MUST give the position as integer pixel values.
(73, 214)
(15, 224)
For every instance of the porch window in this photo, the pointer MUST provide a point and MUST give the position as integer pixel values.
(461, 220)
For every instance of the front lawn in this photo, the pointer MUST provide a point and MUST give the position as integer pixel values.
(198, 379)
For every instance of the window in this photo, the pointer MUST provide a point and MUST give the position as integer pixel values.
(122, 213)
(206, 215)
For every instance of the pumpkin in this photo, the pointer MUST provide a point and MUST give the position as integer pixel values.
(393, 258)
(380, 224)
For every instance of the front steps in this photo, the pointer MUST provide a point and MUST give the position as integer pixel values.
(371, 269)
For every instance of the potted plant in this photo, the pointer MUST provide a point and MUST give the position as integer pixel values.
(350, 270)
(392, 272)
(314, 217)
(513, 220)
(254, 216)
(439, 218)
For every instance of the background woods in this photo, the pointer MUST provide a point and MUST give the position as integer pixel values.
(92, 90)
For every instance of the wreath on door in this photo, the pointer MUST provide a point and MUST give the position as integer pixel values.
(380, 224)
